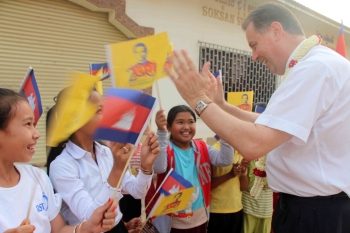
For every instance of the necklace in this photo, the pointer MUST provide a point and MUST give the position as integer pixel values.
(307, 45)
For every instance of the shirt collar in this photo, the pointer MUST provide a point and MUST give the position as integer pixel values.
(193, 145)
(292, 55)
(77, 153)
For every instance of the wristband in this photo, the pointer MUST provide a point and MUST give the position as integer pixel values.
(146, 172)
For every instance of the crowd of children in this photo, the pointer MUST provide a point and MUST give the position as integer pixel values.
(84, 173)
(28, 202)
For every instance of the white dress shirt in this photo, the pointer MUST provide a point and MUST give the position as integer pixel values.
(313, 105)
(83, 185)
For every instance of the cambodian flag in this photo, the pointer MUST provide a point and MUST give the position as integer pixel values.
(95, 67)
(259, 109)
(217, 74)
(217, 137)
(29, 89)
(173, 183)
(341, 49)
(125, 115)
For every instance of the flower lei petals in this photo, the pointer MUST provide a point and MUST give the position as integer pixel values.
(259, 173)
(311, 42)
(292, 63)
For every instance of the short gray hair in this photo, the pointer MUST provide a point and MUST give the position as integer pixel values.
(264, 15)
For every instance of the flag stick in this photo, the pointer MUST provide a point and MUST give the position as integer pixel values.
(144, 224)
(31, 199)
(123, 173)
(29, 207)
(144, 210)
(25, 77)
(156, 192)
(158, 94)
(155, 206)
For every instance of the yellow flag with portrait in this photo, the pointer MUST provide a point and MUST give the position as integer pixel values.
(137, 63)
(173, 203)
(73, 108)
(242, 100)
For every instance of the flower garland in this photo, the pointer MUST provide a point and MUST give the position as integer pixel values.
(260, 176)
(260, 164)
(311, 42)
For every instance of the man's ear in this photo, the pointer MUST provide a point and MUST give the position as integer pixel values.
(276, 29)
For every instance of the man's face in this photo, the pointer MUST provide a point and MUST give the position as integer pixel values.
(264, 49)
(140, 53)
(245, 99)
(177, 196)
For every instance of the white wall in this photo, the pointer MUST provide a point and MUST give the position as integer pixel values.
(185, 24)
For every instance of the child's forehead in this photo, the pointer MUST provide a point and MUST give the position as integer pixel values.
(21, 111)
(23, 108)
(96, 97)
(183, 115)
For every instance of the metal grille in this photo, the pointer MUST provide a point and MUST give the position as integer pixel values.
(239, 72)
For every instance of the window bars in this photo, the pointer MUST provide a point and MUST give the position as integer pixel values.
(239, 72)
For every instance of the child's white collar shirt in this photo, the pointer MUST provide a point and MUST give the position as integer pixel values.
(83, 185)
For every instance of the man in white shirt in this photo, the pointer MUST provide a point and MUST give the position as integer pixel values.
(304, 130)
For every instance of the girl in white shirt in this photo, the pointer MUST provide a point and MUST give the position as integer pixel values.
(25, 188)
(86, 172)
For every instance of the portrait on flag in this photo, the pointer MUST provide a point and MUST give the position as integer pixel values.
(126, 114)
(29, 89)
(243, 100)
(138, 63)
(167, 64)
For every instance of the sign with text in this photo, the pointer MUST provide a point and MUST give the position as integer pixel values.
(230, 11)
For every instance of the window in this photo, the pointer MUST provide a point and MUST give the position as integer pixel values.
(239, 72)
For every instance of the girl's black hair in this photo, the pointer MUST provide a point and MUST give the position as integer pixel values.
(8, 106)
(177, 109)
(54, 151)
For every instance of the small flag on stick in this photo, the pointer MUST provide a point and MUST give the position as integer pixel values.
(96, 67)
(341, 49)
(29, 89)
(137, 63)
(125, 116)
